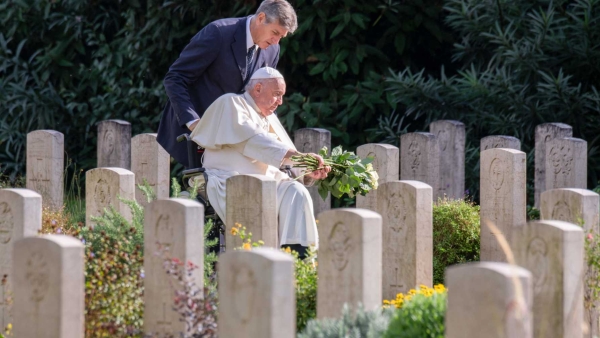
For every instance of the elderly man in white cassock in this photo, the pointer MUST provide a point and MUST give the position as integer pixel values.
(241, 135)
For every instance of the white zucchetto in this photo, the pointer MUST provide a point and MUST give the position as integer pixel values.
(266, 73)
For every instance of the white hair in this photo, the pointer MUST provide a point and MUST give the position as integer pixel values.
(254, 82)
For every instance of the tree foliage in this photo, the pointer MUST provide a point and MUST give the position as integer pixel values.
(66, 65)
(521, 63)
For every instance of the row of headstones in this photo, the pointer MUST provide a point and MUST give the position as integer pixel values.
(140, 154)
(436, 158)
(256, 292)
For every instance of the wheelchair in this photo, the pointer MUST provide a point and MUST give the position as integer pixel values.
(198, 174)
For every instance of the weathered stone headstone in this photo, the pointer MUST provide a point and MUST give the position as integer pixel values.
(103, 186)
(566, 163)
(49, 291)
(407, 225)
(311, 140)
(46, 166)
(500, 141)
(451, 140)
(175, 225)
(488, 300)
(576, 206)
(420, 160)
(350, 265)
(545, 133)
(20, 216)
(151, 162)
(572, 206)
(386, 162)
(256, 294)
(502, 199)
(553, 252)
(114, 144)
(257, 213)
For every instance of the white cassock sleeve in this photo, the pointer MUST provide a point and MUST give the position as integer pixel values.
(266, 148)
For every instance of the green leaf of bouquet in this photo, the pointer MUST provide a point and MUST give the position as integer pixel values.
(359, 168)
(323, 192)
(323, 151)
(337, 151)
(367, 160)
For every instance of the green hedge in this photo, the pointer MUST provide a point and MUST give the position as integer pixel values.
(455, 235)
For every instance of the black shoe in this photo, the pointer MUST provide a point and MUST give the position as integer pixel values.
(301, 250)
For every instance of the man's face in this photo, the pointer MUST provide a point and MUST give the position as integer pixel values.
(268, 95)
(265, 34)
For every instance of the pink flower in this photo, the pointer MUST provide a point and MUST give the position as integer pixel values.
(590, 237)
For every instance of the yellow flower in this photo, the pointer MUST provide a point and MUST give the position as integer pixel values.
(246, 246)
(288, 250)
(439, 288)
(234, 231)
(412, 292)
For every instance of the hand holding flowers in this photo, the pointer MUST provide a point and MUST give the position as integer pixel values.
(345, 172)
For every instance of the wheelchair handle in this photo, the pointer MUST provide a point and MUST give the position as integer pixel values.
(183, 137)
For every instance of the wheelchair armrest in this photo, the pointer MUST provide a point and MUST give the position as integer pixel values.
(192, 171)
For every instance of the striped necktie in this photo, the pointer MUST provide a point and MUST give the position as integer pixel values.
(249, 60)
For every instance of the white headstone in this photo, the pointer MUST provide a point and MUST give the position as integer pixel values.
(420, 160)
(500, 141)
(311, 140)
(488, 300)
(545, 133)
(178, 226)
(150, 161)
(553, 252)
(566, 163)
(257, 213)
(46, 166)
(581, 207)
(256, 294)
(20, 216)
(49, 287)
(386, 162)
(114, 144)
(502, 199)
(103, 187)
(451, 138)
(406, 209)
(349, 267)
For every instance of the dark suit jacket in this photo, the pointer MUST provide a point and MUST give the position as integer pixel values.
(212, 64)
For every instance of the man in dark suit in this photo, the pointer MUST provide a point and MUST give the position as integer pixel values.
(220, 59)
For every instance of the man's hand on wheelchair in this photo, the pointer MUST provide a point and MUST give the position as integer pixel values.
(320, 173)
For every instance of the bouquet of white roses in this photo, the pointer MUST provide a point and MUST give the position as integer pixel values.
(349, 174)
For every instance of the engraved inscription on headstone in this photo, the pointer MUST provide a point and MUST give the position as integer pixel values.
(37, 276)
(537, 262)
(109, 142)
(497, 173)
(102, 195)
(244, 282)
(414, 156)
(45, 166)
(340, 245)
(164, 237)
(443, 139)
(544, 134)
(561, 212)
(6, 223)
